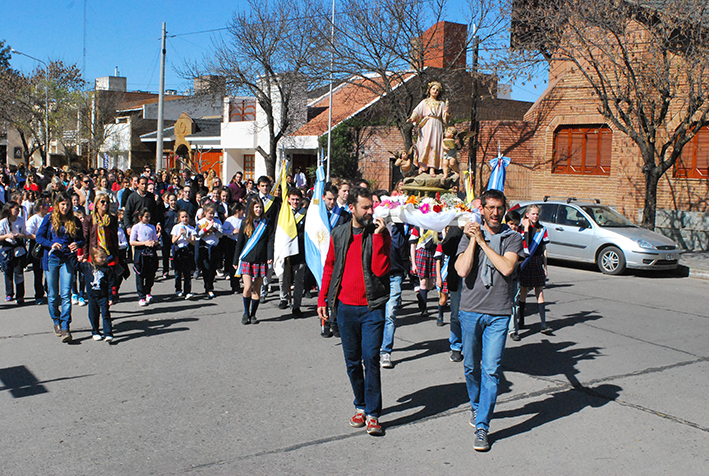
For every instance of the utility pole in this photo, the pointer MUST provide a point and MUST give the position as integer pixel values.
(474, 129)
(329, 109)
(161, 101)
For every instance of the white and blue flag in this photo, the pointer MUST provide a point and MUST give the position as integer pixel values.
(317, 229)
(499, 173)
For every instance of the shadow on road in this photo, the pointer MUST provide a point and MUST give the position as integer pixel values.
(432, 400)
(554, 407)
(556, 324)
(429, 348)
(21, 382)
(134, 329)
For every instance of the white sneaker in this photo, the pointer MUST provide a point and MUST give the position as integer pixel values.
(386, 361)
(108, 338)
(142, 303)
(97, 337)
(189, 296)
(220, 274)
(149, 298)
(75, 299)
(179, 294)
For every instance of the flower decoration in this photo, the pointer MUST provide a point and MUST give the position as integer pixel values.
(424, 208)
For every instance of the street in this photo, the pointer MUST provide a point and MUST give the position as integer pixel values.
(620, 388)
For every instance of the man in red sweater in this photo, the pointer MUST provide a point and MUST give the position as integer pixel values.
(358, 261)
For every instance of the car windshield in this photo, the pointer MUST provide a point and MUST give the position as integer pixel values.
(607, 217)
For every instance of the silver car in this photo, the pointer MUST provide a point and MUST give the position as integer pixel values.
(594, 233)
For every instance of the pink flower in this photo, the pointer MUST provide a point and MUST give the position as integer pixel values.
(425, 208)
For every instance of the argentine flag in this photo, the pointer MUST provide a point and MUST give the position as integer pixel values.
(317, 229)
(285, 241)
(499, 173)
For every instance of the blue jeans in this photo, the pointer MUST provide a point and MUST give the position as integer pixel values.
(392, 309)
(484, 339)
(361, 333)
(60, 274)
(456, 338)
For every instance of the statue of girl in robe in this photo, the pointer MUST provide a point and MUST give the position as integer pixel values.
(431, 116)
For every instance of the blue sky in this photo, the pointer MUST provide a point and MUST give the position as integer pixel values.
(126, 34)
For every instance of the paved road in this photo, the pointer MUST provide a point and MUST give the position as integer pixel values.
(620, 388)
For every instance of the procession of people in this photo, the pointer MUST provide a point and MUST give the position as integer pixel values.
(84, 234)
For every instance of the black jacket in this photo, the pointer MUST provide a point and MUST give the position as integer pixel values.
(262, 252)
(377, 287)
(136, 202)
(450, 247)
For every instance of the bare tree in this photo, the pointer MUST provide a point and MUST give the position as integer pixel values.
(268, 54)
(645, 62)
(381, 46)
(27, 102)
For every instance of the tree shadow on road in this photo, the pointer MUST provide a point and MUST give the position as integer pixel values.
(432, 400)
(556, 406)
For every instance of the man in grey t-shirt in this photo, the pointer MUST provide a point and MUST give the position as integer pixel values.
(487, 256)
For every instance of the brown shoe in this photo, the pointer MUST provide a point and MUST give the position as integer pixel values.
(66, 335)
(57, 330)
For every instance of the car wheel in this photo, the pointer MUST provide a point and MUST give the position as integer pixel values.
(611, 260)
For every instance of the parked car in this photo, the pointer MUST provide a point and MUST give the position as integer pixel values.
(589, 232)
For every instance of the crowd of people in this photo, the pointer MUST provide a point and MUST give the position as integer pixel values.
(84, 234)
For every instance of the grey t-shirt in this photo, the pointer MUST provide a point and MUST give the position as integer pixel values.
(495, 300)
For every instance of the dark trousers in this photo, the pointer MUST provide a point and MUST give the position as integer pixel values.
(183, 262)
(15, 279)
(361, 331)
(229, 246)
(166, 247)
(208, 262)
(99, 305)
(145, 263)
(39, 288)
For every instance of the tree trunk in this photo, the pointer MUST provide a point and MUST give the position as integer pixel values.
(650, 209)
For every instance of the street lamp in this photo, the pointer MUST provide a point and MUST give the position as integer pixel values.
(46, 103)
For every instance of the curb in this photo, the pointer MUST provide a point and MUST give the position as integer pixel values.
(698, 273)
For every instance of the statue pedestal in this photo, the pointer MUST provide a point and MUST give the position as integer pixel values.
(423, 191)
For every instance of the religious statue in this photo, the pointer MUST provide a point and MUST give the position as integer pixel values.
(404, 160)
(430, 116)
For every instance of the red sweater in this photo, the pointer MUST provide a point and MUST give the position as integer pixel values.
(354, 292)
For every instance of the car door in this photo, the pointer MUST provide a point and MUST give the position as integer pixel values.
(573, 234)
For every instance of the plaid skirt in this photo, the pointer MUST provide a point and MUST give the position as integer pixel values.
(255, 270)
(532, 275)
(444, 289)
(425, 263)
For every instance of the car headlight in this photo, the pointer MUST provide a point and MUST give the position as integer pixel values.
(646, 245)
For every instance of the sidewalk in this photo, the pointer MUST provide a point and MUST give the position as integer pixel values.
(697, 263)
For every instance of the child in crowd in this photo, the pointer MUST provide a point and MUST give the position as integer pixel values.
(123, 250)
(41, 209)
(170, 219)
(13, 253)
(441, 281)
(512, 219)
(423, 247)
(144, 239)
(533, 270)
(98, 277)
(253, 253)
(231, 228)
(78, 289)
(209, 232)
(183, 240)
